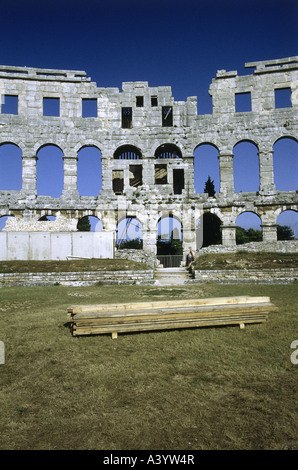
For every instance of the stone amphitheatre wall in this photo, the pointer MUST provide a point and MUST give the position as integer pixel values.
(147, 142)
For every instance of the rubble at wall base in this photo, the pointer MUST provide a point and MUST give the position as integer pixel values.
(284, 246)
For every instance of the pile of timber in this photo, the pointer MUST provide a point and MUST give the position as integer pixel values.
(161, 315)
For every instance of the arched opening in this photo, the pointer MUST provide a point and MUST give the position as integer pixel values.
(127, 152)
(168, 151)
(287, 225)
(89, 171)
(47, 218)
(50, 174)
(89, 223)
(248, 228)
(169, 241)
(129, 233)
(3, 220)
(285, 164)
(206, 164)
(10, 167)
(208, 231)
(246, 167)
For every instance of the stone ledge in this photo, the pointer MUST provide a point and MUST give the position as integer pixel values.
(284, 246)
(239, 276)
(76, 279)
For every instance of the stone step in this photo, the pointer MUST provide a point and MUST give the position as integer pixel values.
(171, 276)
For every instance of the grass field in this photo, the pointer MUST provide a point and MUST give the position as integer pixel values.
(192, 389)
(243, 260)
(75, 265)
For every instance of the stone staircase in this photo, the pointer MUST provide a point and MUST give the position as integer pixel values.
(171, 276)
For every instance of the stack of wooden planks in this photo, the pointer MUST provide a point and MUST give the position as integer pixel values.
(161, 315)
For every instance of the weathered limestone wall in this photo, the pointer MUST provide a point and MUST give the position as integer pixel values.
(242, 276)
(147, 142)
(286, 246)
(140, 256)
(77, 278)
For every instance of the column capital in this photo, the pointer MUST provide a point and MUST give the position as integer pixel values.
(29, 157)
(265, 152)
(70, 157)
(225, 154)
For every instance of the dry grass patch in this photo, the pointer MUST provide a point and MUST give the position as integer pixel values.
(78, 265)
(204, 388)
(242, 260)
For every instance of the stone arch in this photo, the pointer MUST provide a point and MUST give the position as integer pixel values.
(88, 143)
(89, 223)
(169, 235)
(248, 227)
(47, 218)
(206, 164)
(287, 218)
(10, 166)
(168, 151)
(89, 170)
(166, 224)
(208, 230)
(285, 163)
(50, 172)
(127, 152)
(129, 228)
(246, 166)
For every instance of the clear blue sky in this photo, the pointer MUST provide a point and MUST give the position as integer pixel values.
(181, 43)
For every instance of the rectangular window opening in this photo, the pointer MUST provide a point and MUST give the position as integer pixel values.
(51, 106)
(89, 107)
(283, 98)
(161, 174)
(167, 116)
(135, 175)
(243, 102)
(126, 118)
(118, 181)
(140, 101)
(154, 101)
(9, 104)
(178, 180)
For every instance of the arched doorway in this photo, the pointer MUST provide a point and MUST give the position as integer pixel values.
(285, 164)
(246, 167)
(248, 228)
(10, 167)
(208, 230)
(50, 173)
(129, 233)
(206, 164)
(89, 223)
(89, 171)
(287, 225)
(169, 241)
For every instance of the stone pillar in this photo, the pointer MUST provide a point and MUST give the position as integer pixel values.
(149, 241)
(228, 233)
(148, 172)
(189, 175)
(149, 229)
(107, 180)
(189, 229)
(269, 232)
(226, 173)
(70, 176)
(29, 174)
(267, 185)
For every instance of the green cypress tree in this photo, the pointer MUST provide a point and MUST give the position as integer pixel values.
(209, 187)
